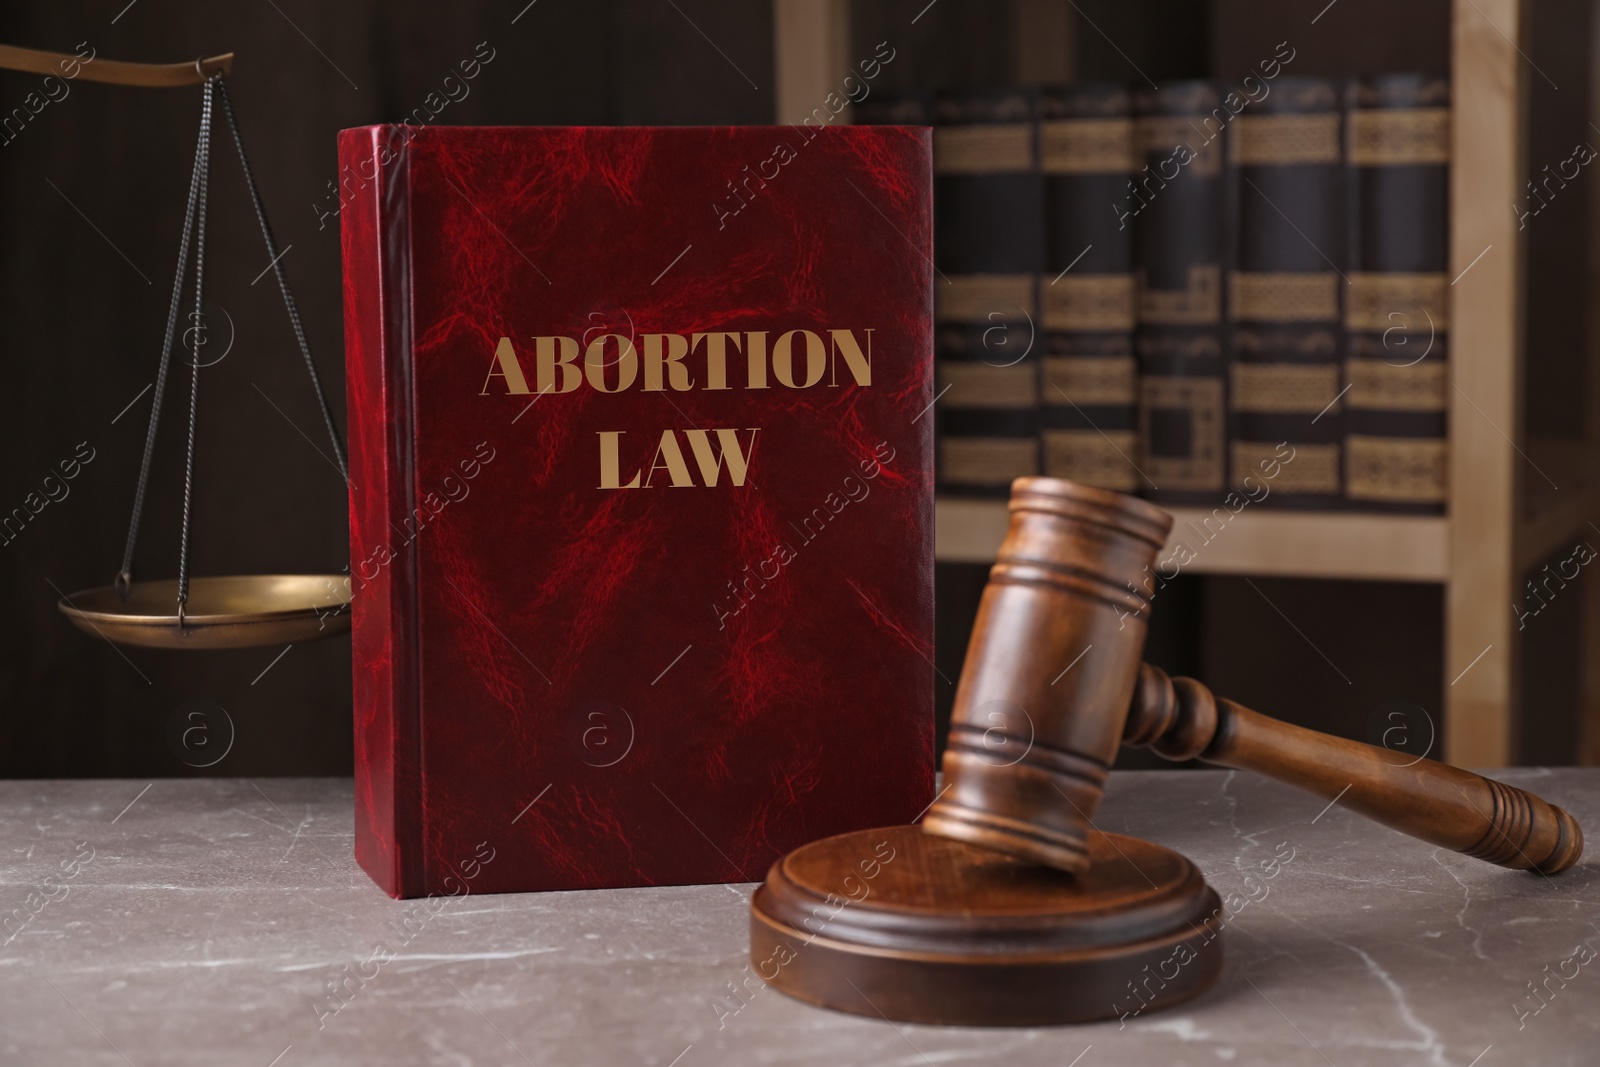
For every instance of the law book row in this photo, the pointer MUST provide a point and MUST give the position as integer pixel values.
(1155, 290)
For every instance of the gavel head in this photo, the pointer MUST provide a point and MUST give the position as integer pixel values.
(1050, 671)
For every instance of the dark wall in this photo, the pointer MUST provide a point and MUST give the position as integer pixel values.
(1559, 226)
(1344, 37)
(958, 43)
(92, 193)
(1141, 41)
(1358, 659)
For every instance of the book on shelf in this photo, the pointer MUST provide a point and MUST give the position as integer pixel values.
(1087, 293)
(1397, 313)
(1287, 291)
(641, 504)
(989, 249)
(1178, 205)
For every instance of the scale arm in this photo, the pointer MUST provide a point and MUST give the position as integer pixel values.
(114, 72)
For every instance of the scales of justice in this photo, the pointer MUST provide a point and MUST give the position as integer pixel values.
(188, 612)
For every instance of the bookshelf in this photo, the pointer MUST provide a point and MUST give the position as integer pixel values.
(1514, 498)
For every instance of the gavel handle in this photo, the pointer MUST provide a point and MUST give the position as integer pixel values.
(1180, 719)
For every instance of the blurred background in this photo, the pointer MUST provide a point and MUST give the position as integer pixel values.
(92, 191)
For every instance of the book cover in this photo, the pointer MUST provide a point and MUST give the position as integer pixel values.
(1179, 206)
(1287, 291)
(990, 248)
(1397, 315)
(1087, 295)
(641, 498)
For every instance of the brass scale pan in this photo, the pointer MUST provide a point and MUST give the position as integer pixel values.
(239, 611)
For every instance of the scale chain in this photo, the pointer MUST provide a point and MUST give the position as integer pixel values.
(125, 575)
(199, 338)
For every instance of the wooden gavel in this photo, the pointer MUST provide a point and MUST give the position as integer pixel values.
(1053, 686)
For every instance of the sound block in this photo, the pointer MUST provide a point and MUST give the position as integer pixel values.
(899, 924)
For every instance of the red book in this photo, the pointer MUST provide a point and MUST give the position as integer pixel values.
(641, 498)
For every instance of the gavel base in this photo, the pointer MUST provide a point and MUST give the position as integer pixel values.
(899, 924)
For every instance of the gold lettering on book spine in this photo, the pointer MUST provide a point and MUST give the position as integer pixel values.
(1398, 469)
(1398, 137)
(1284, 297)
(1282, 140)
(1383, 386)
(1088, 146)
(1092, 458)
(1090, 302)
(979, 385)
(1416, 303)
(977, 297)
(983, 149)
(1314, 469)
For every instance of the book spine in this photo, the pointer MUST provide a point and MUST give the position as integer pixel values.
(375, 241)
(989, 248)
(1178, 208)
(1287, 293)
(1088, 397)
(1397, 314)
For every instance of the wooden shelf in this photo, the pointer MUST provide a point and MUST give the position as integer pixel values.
(1271, 543)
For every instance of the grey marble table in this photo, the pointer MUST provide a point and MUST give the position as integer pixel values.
(207, 921)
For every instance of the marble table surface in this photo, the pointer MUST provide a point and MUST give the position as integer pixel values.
(206, 921)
